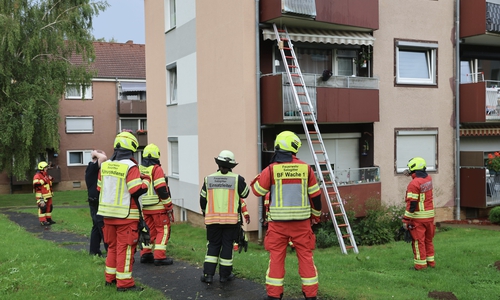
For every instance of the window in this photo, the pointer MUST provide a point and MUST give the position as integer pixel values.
(138, 156)
(412, 143)
(133, 124)
(172, 84)
(76, 92)
(416, 63)
(79, 124)
(174, 156)
(170, 14)
(79, 157)
(130, 90)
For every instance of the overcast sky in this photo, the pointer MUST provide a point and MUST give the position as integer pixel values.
(123, 20)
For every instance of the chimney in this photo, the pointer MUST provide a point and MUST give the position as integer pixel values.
(129, 42)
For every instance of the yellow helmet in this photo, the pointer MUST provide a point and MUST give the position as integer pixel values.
(151, 151)
(287, 141)
(126, 140)
(226, 159)
(416, 163)
(42, 165)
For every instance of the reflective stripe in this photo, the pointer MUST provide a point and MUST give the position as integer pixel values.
(124, 275)
(309, 281)
(211, 259)
(110, 270)
(150, 198)
(225, 262)
(275, 281)
(260, 190)
(222, 198)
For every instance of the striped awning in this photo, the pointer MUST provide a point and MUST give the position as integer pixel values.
(480, 131)
(324, 36)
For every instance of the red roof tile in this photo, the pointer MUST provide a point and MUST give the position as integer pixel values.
(118, 60)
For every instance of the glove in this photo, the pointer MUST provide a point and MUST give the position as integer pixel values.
(144, 237)
(41, 203)
(247, 219)
(242, 241)
(314, 220)
(408, 237)
(170, 214)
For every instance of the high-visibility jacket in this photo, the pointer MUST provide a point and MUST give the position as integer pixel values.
(114, 197)
(42, 185)
(291, 185)
(152, 200)
(223, 198)
(420, 190)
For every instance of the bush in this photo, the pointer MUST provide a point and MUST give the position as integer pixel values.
(494, 215)
(326, 238)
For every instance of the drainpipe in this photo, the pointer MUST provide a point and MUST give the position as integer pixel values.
(457, 110)
(257, 74)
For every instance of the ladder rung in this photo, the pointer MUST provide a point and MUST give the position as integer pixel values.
(292, 66)
(349, 247)
(308, 113)
(284, 39)
(331, 194)
(339, 214)
(318, 151)
(342, 225)
(346, 235)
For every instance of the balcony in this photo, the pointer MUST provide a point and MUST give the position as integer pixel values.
(480, 102)
(329, 13)
(132, 107)
(338, 99)
(478, 188)
(479, 18)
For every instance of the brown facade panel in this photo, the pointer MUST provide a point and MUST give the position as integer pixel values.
(473, 102)
(356, 13)
(347, 105)
(271, 104)
(473, 187)
(269, 9)
(472, 159)
(472, 17)
(356, 197)
(132, 107)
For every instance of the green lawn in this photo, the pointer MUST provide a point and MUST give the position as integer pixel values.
(465, 261)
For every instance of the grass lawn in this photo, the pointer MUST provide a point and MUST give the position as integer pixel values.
(465, 261)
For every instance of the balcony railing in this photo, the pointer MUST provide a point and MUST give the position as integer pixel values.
(357, 176)
(492, 189)
(312, 81)
(300, 7)
(492, 99)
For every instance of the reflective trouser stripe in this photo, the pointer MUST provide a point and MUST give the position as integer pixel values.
(310, 281)
(211, 259)
(110, 270)
(225, 262)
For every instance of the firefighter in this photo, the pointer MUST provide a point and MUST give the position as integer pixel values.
(157, 208)
(221, 206)
(419, 214)
(294, 206)
(120, 184)
(42, 184)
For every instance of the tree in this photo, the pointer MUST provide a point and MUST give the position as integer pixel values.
(37, 38)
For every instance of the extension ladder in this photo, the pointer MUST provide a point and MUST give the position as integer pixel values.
(321, 161)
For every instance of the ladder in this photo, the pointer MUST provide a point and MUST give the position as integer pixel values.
(307, 115)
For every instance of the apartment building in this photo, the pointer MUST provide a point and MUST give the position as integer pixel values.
(379, 73)
(91, 116)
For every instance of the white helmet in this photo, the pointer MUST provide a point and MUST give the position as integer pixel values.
(226, 159)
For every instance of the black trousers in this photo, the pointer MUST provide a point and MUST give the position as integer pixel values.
(220, 245)
(96, 235)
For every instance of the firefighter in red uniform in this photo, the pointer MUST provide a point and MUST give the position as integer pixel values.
(157, 208)
(419, 214)
(42, 184)
(120, 184)
(294, 205)
(220, 203)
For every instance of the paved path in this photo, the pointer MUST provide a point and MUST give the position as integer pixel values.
(178, 281)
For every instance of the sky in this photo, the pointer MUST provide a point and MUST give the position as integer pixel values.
(123, 20)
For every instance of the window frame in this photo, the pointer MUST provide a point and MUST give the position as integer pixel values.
(79, 117)
(172, 87)
(85, 158)
(430, 49)
(170, 14)
(173, 147)
(142, 123)
(79, 89)
(405, 149)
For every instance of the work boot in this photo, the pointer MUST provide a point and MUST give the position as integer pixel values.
(207, 278)
(308, 298)
(133, 288)
(271, 298)
(147, 258)
(231, 277)
(51, 221)
(110, 283)
(163, 262)
(44, 223)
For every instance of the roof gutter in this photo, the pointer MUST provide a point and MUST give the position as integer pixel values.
(457, 110)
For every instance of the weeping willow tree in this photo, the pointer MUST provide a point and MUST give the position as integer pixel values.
(37, 38)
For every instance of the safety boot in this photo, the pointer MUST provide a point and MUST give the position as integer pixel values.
(147, 258)
(163, 262)
(207, 278)
(44, 223)
(133, 288)
(51, 221)
(231, 277)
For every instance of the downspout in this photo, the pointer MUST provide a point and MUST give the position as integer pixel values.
(257, 75)
(457, 110)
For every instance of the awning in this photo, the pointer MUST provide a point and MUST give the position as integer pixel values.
(480, 131)
(324, 36)
(133, 86)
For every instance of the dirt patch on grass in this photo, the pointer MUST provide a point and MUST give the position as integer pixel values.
(442, 295)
